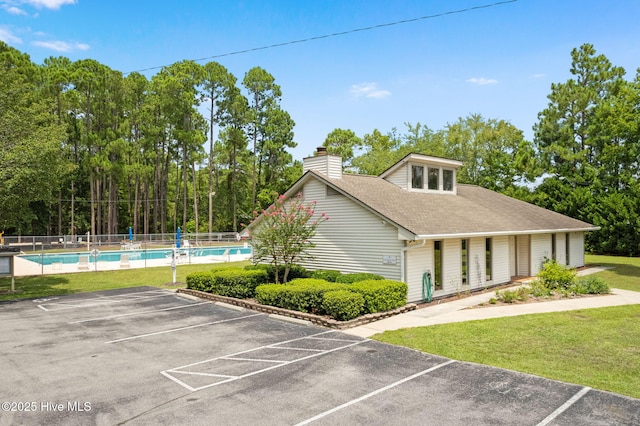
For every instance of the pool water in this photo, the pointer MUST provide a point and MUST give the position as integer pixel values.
(114, 255)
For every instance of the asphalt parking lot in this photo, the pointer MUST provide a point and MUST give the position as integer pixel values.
(149, 356)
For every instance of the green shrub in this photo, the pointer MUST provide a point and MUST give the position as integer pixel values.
(302, 294)
(357, 277)
(381, 295)
(506, 296)
(201, 281)
(510, 296)
(295, 272)
(342, 305)
(326, 274)
(538, 288)
(237, 282)
(593, 285)
(557, 276)
(271, 294)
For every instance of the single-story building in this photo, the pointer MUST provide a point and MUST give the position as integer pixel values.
(415, 219)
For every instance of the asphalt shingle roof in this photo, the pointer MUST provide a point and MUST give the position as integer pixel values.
(473, 210)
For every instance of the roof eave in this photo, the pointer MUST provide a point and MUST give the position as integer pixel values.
(502, 233)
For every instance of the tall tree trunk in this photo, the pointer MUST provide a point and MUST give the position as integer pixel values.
(195, 196)
(211, 115)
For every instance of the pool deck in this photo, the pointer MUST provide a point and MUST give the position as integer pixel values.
(24, 267)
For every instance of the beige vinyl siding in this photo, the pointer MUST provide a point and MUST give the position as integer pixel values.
(353, 239)
(329, 165)
(576, 249)
(540, 249)
(523, 258)
(418, 261)
(400, 177)
(500, 257)
(451, 269)
(561, 249)
(477, 263)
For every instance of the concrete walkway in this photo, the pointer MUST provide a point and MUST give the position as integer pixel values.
(464, 310)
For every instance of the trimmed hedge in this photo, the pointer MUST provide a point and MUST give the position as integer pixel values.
(295, 272)
(326, 274)
(381, 295)
(342, 305)
(302, 294)
(357, 277)
(237, 282)
(202, 281)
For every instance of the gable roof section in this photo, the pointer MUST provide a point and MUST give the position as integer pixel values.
(421, 158)
(474, 211)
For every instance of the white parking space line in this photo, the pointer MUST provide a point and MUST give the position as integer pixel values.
(171, 330)
(139, 313)
(99, 301)
(376, 392)
(277, 363)
(565, 406)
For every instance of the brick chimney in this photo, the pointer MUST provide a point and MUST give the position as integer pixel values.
(321, 162)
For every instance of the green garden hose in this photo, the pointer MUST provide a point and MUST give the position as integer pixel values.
(427, 289)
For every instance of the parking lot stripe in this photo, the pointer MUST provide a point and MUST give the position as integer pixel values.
(251, 350)
(282, 364)
(279, 363)
(139, 313)
(180, 329)
(564, 406)
(99, 302)
(376, 392)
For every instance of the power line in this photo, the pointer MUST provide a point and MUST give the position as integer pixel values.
(341, 33)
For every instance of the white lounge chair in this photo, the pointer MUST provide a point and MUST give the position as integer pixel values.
(83, 263)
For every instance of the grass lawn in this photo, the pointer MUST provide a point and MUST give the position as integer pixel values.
(593, 347)
(625, 273)
(55, 285)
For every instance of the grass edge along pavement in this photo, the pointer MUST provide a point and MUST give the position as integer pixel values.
(56, 285)
(591, 347)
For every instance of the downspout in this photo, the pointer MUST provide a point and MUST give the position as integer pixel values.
(403, 252)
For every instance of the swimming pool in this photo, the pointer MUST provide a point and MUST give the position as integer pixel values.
(115, 255)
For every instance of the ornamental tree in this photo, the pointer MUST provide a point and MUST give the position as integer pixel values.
(282, 234)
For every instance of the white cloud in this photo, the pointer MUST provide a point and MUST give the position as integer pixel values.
(538, 75)
(49, 4)
(61, 46)
(369, 90)
(7, 37)
(14, 10)
(481, 81)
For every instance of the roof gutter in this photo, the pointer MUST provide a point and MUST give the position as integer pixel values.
(403, 252)
(500, 233)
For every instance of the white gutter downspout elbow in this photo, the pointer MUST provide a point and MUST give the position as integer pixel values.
(403, 252)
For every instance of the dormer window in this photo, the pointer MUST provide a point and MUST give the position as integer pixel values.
(423, 173)
(447, 180)
(431, 178)
(417, 177)
(434, 175)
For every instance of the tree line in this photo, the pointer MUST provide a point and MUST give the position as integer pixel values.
(86, 148)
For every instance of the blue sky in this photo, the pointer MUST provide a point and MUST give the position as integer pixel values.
(498, 61)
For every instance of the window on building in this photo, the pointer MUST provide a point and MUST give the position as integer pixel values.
(433, 178)
(417, 177)
(488, 261)
(447, 180)
(437, 265)
(465, 262)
